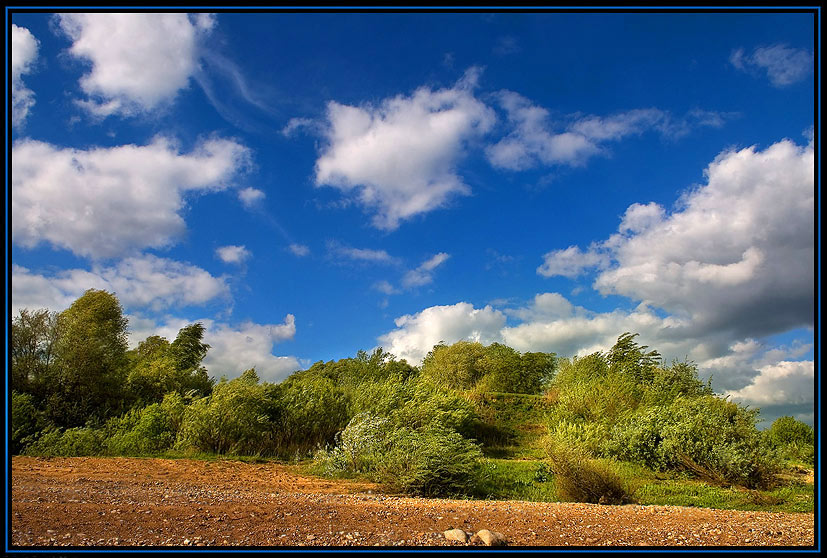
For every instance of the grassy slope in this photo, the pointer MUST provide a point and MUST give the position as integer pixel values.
(515, 425)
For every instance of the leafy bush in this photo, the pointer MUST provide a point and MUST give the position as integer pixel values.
(589, 436)
(72, 442)
(146, 431)
(430, 461)
(26, 421)
(792, 439)
(639, 439)
(588, 391)
(359, 447)
(235, 418)
(467, 365)
(708, 436)
(308, 411)
(579, 478)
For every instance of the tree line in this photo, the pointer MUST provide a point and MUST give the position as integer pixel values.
(78, 390)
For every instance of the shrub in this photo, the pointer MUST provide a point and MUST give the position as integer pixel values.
(578, 478)
(639, 439)
(430, 462)
(359, 447)
(708, 436)
(26, 421)
(233, 419)
(146, 431)
(588, 391)
(589, 436)
(309, 411)
(72, 442)
(792, 439)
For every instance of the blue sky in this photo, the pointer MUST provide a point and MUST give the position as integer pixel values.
(308, 185)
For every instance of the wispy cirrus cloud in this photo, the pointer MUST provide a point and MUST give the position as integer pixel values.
(782, 65)
(535, 139)
(424, 273)
(343, 253)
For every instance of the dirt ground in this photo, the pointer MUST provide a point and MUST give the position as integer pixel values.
(128, 502)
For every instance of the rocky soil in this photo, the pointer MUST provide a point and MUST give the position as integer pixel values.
(78, 502)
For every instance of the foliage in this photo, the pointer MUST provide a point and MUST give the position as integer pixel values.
(708, 436)
(428, 461)
(148, 430)
(467, 365)
(792, 439)
(158, 367)
(90, 354)
(77, 441)
(415, 403)
(26, 421)
(359, 447)
(312, 409)
(33, 336)
(579, 478)
(236, 418)
(586, 436)
(603, 396)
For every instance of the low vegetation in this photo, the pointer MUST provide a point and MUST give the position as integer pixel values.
(471, 421)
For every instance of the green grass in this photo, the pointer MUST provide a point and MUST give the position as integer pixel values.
(515, 467)
(512, 479)
(512, 424)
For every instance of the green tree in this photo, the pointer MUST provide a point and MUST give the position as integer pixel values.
(188, 349)
(456, 366)
(90, 357)
(33, 336)
(158, 367)
(628, 357)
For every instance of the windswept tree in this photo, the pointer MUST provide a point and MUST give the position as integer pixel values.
(87, 380)
(158, 367)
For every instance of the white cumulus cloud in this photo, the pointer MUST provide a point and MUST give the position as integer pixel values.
(233, 348)
(139, 61)
(146, 282)
(737, 253)
(416, 334)
(399, 158)
(24, 49)
(233, 254)
(108, 202)
(785, 382)
(250, 197)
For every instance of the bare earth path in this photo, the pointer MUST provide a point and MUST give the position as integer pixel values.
(160, 502)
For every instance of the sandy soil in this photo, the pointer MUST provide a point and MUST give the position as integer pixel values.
(128, 502)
